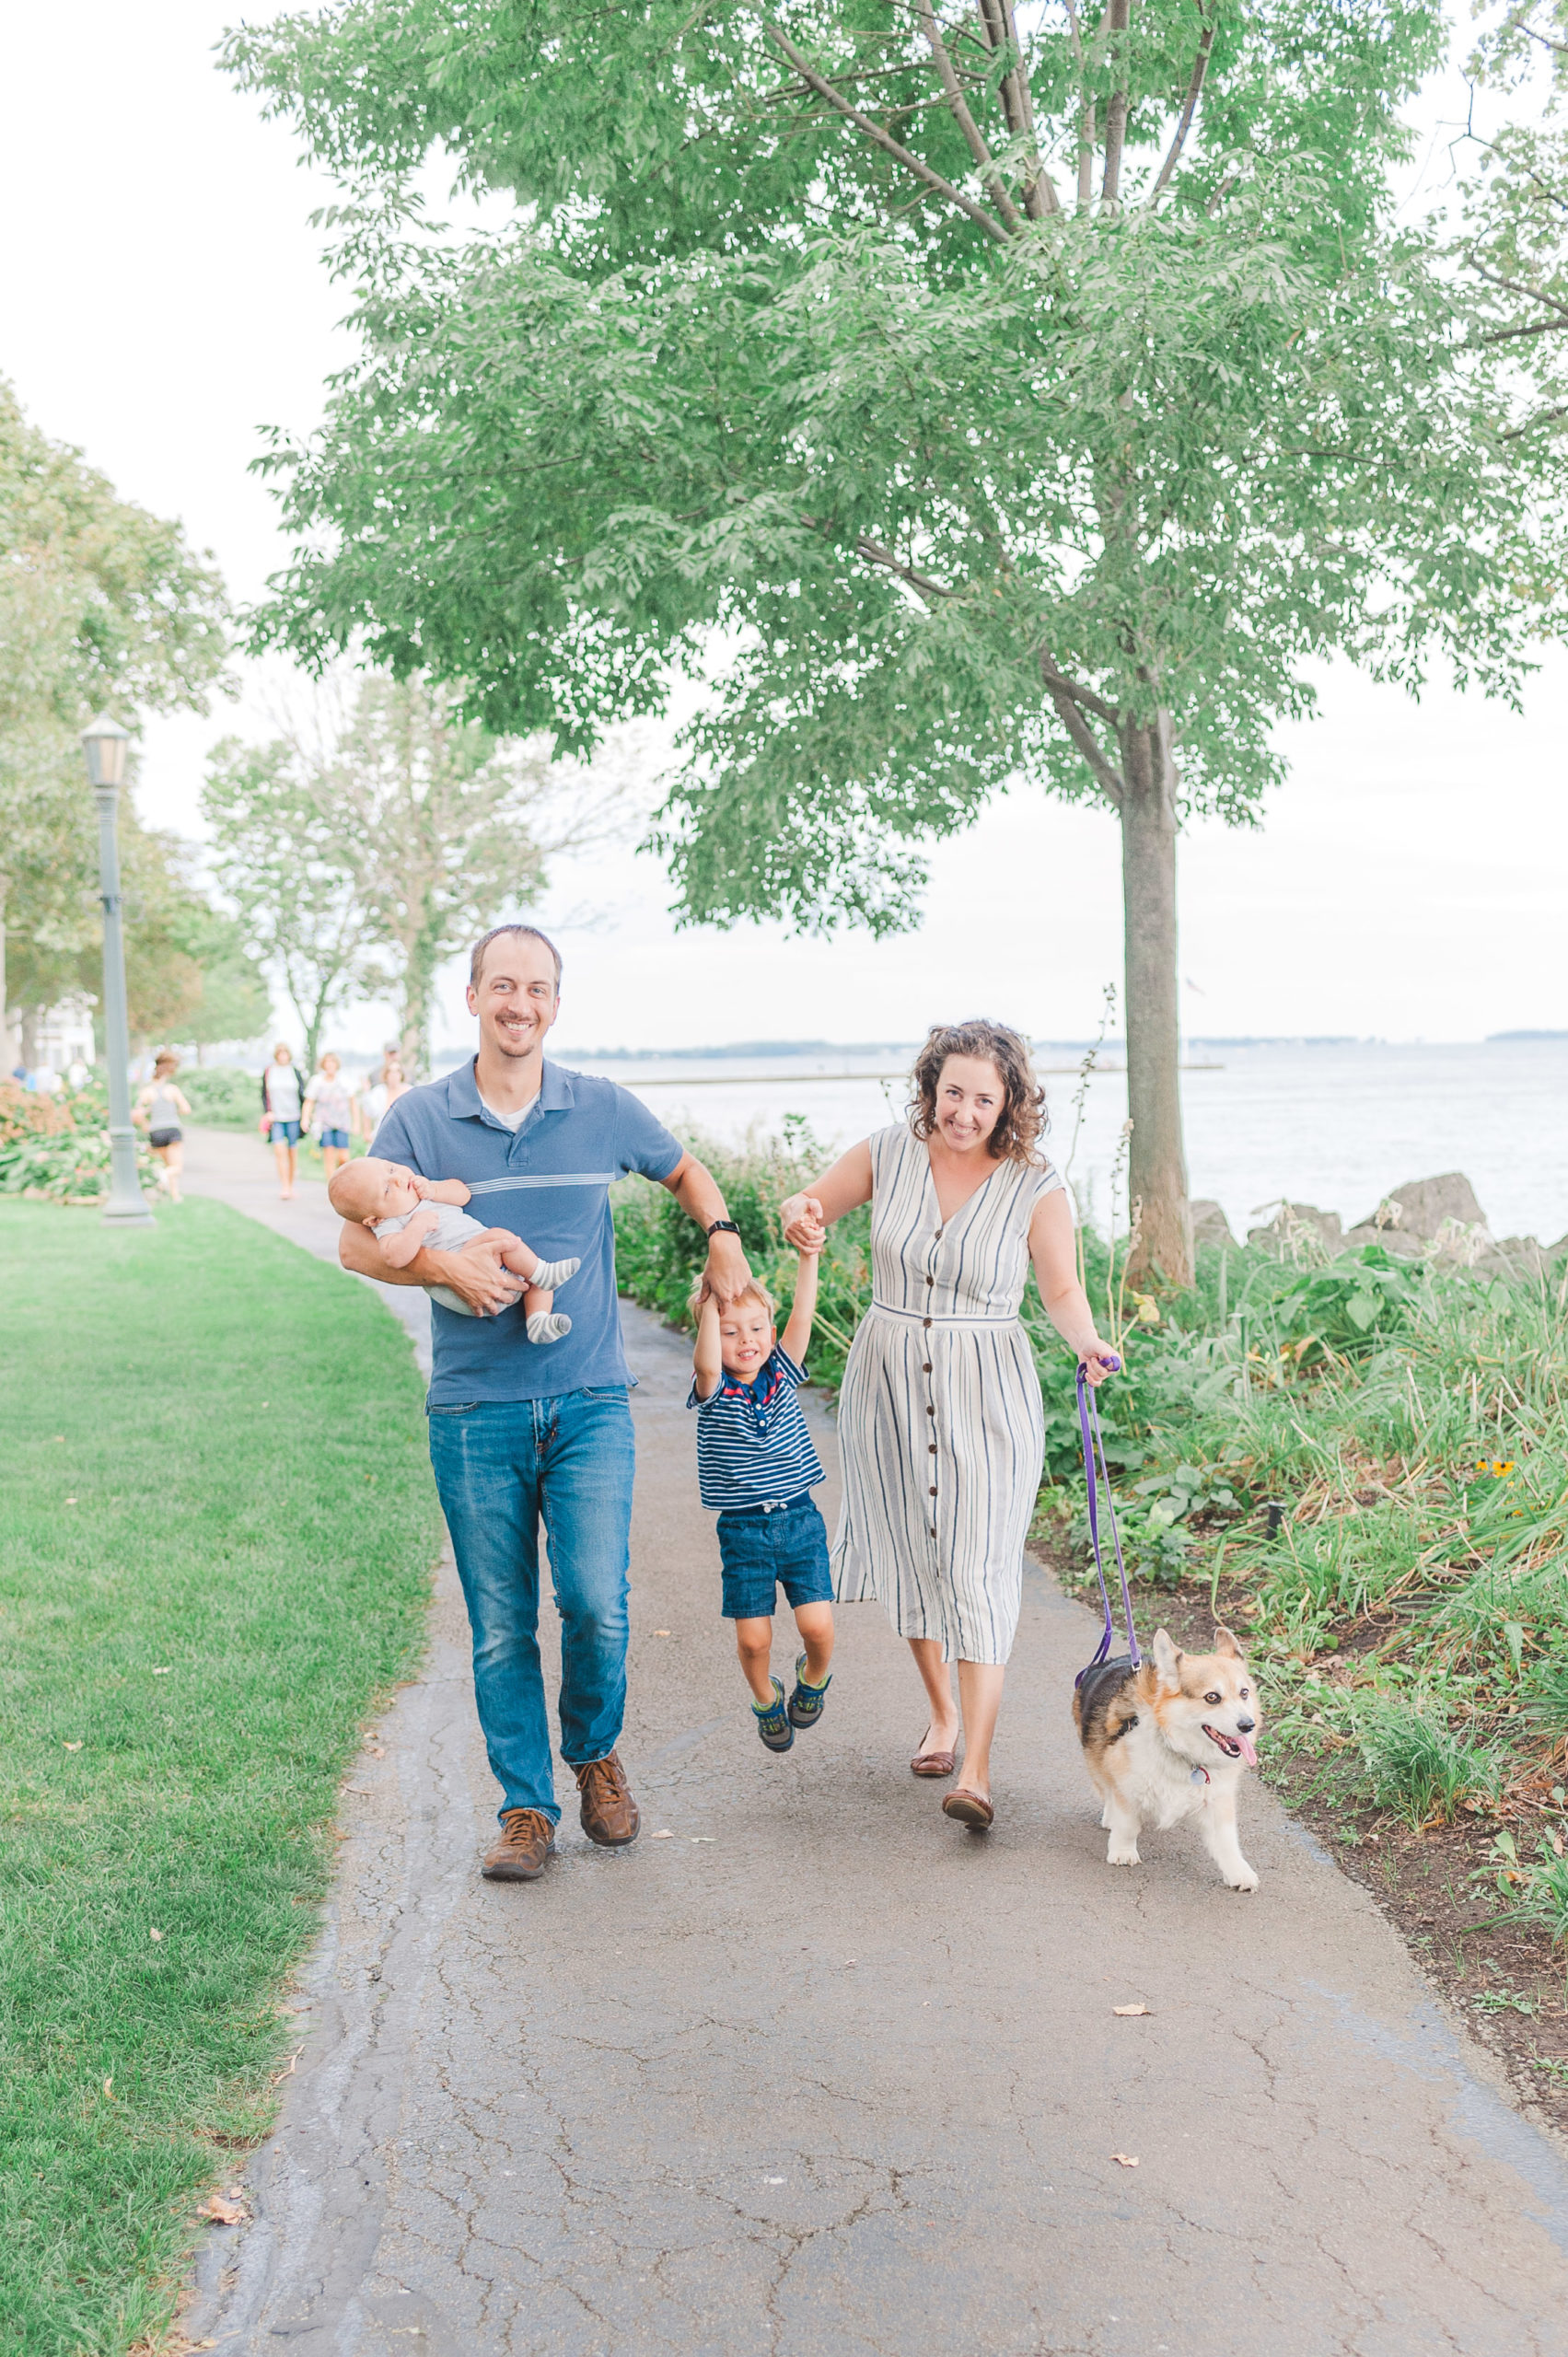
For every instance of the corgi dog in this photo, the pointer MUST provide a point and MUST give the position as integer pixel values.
(1169, 1740)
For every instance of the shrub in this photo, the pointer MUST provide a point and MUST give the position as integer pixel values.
(1418, 1767)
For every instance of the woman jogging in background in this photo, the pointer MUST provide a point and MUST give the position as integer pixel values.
(329, 1105)
(280, 1116)
(160, 1109)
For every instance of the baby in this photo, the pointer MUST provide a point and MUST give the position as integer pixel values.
(404, 1211)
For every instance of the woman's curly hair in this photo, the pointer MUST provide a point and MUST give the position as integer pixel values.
(1022, 1121)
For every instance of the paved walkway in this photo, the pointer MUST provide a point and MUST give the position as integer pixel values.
(819, 2073)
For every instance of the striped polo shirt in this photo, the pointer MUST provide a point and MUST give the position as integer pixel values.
(752, 1445)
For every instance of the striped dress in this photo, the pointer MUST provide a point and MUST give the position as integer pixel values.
(940, 1425)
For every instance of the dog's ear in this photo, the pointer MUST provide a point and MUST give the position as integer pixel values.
(1225, 1643)
(1166, 1658)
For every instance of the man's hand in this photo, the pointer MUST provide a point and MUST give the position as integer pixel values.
(728, 1272)
(476, 1273)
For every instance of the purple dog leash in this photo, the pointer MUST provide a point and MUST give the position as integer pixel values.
(1095, 1471)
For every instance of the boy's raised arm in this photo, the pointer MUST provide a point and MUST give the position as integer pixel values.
(803, 1309)
(706, 1359)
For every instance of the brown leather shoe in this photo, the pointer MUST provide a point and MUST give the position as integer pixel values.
(610, 1817)
(527, 1837)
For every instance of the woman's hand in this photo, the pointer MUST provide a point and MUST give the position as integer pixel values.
(1098, 1360)
(802, 1224)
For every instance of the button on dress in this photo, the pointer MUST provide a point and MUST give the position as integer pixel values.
(941, 1431)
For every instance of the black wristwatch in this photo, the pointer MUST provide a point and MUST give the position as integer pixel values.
(723, 1228)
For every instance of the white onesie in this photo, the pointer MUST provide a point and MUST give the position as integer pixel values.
(453, 1229)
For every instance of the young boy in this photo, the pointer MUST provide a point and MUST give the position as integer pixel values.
(403, 1211)
(757, 1464)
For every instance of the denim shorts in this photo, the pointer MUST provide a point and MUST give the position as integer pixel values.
(285, 1134)
(336, 1138)
(766, 1548)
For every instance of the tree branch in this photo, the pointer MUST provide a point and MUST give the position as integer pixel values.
(1194, 89)
(1058, 680)
(1120, 16)
(965, 121)
(1110, 780)
(1001, 31)
(875, 552)
(882, 139)
(1541, 417)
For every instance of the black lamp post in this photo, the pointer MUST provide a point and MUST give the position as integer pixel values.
(107, 745)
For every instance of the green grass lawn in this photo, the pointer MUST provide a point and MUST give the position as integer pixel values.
(214, 1551)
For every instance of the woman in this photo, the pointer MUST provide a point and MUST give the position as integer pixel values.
(386, 1090)
(328, 1101)
(160, 1109)
(280, 1116)
(940, 1424)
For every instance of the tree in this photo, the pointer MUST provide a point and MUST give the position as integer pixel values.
(100, 603)
(1016, 405)
(278, 848)
(362, 855)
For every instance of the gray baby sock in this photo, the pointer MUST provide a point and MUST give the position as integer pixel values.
(551, 1274)
(548, 1325)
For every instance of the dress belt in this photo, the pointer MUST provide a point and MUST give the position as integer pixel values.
(921, 1318)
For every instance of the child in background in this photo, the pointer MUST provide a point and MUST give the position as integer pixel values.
(756, 1464)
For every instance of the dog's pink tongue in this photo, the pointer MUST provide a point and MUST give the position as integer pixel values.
(1248, 1749)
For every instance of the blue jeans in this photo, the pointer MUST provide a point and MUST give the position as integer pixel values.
(501, 1468)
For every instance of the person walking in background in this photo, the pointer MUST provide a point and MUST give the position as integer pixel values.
(386, 1089)
(280, 1116)
(520, 1435)
(941, 1429)
(160, 1109)
(329, 1108)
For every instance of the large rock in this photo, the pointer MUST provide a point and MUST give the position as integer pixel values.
(1393, 1240)
(1294, 1225)
(1424, 1207)
(1516, 1256)
(1210, 1226)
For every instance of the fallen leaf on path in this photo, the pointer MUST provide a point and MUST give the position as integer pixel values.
(376, 1750)
(661, 1632)
(1131, 2009)
(1127, 2160)
(223, 2210)
(73, 1746)
(702, 1837)
(663, 1835)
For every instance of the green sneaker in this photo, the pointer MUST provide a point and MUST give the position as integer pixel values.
(773, 1720)
(806, 1704)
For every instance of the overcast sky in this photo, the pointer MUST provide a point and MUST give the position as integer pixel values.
(162, 297)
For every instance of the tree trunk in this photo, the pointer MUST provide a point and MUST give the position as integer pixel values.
(1158, 1167)
(9, 1045)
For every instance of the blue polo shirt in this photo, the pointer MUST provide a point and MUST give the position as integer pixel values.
(548, 1181)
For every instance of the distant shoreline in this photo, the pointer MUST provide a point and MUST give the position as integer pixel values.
(766, 1050)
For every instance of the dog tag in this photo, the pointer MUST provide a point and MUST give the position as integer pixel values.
(1199, 1776)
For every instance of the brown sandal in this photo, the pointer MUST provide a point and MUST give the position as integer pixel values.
(934, 1764)
(968, 1808)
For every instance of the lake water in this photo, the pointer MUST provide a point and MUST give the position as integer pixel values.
(1338, 1126)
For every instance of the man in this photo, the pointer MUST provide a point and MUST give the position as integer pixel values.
(522, 1433)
